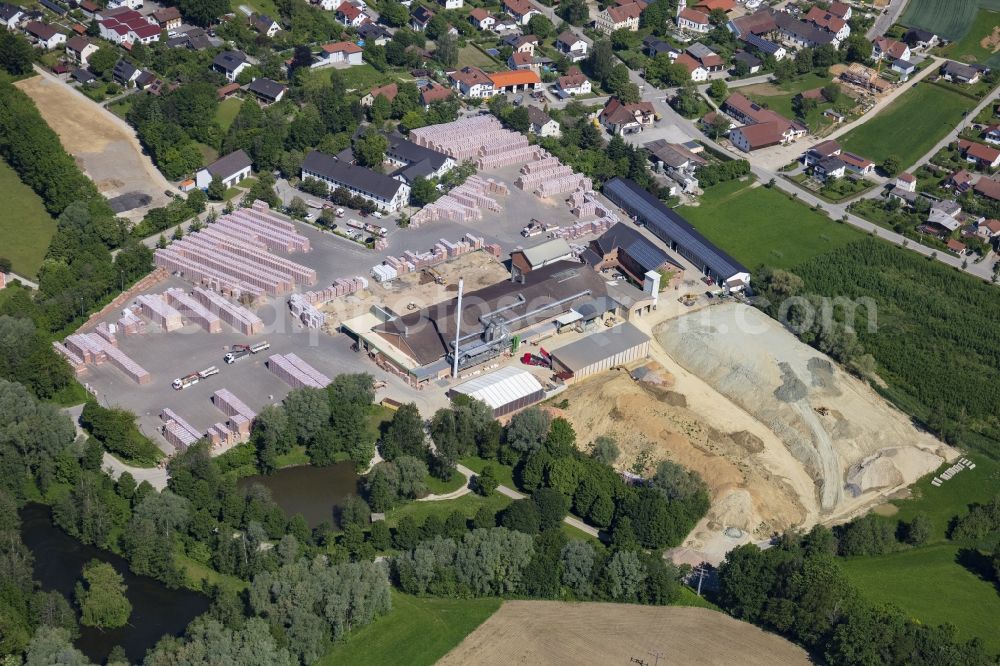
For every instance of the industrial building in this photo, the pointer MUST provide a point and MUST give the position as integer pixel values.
(623, 248)
(507, 390)
(600, 351)
(677, 233)
(524, 261)
(383, 192)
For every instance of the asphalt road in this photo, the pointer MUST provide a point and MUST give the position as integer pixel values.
(885, 20)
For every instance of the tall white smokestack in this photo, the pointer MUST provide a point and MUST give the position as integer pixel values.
(458, 329)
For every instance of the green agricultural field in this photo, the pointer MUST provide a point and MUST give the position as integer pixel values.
(929, 584)
(758, 225)
(948, 18)
(25, 226)
(226, 113)
(417, 631)
(984, 30)
(910, 126)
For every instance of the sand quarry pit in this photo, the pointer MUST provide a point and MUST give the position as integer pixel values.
(103, 146)
(739, 399)
(552, 632)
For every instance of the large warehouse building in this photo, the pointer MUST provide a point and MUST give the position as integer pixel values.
(677, 233)
(600, 351)
(507, 390)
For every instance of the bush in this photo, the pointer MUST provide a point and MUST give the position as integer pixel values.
(116, 430)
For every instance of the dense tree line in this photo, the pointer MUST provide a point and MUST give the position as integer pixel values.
(169, 126)
(798, 589)
(720, 172)
(16, 53)
(116, 430)
(937, 354)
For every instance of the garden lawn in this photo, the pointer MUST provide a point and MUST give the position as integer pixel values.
(258, 6)
(931, 586)
(417, 631)
(782, 102)
(760, 225)
(439, 487)
(226, 113)
(970, 48)
(25, 226)
(910, 126)
(467, 505)
(503, 473)
(360, 78)
(473, 57)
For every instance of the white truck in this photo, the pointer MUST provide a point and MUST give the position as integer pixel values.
(239, 351)
(195, 377)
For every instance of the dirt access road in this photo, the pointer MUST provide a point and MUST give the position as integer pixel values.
(552, 632)
(104, 146)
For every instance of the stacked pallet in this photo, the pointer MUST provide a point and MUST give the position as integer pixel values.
(443, 250)
(306, 312)
(339, 287)
(598, 226)
(192, 310)
(177, 431)
(74, 361)
(230, 405)
(105, 332)
(546, 176)
(131, 324)
(221, 434)
(159, 312)
(215, 236)
(295, 372)
(464, 203)
(237, 316)
(481, 138)
(92, 348)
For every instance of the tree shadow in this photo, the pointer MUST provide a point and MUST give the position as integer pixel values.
(978, 564)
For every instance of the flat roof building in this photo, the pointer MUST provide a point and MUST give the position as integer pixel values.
(600, 351)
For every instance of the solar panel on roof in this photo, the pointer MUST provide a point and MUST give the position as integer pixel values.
(672, 225)
(647, 254)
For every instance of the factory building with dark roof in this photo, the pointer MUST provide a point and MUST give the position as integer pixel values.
(677, 233)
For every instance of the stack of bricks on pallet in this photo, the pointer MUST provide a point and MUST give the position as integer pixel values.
(74, 361)
(548, 177)
(177, 431)
(482, 138)
(235, 254)
(92, 348)
(193, 310)
(411, 261)
(307, 313)
(304, 305)
(222, 434)
(235, 315)
(295, 372)
(230, 405)
(131, 324)
(585, 204)
(159, 312)
(598, 226)
(463, 203)
(104, 331)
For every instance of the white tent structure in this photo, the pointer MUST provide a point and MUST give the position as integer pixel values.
(506, 390)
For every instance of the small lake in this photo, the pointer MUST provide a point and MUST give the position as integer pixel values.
(315, 492)
(156, 609)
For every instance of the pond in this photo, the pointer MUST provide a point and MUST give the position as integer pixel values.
(315, 492)
(156, 609)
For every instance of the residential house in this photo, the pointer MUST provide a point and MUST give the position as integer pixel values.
(265, 25)
(10, 15)
(434, 92)
(83, 76)
(752, 62)
(413, 161)
(830, 168)
(522, 43)
(267, 91)
(988, 229)
(821, 151)
(481, 18)
(350, 15)
(227, 91)
(231, 170)
(336, 53)
(619, 17)
(906, 181)
(125, 73)
(195, 39)
(89, 8)
(694, 68)
(991, 134)
(828, 21)
(127, 26)
(384, 192)
(620, 118)
(762, 127)
(841, 9)
(53, 7)
(886, 48)
(857, 164)
(79, 49)
(904, 67)
(520, 10)
(691, 20)
(230, 64)
(944, 215)
(761, 22)
(904, 197)
(573, 83)
(989, 188)
(677, 161)
(865, 77)
(960, 181)
(451, 4)
(522, 60)
(917, 38)
(706, 57)
(472, 82)
(765, 47)
(571, 46)
(168, 18)
(44, 34)
(504, 24)
(516, 81)
(373, 33)
(541, 124)
(388, 91)
(149, 82)
(654, 46)
(420, 17)
(955, 246)
(983, 156)
(959, 73)
(803, 34)
(126, 4)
